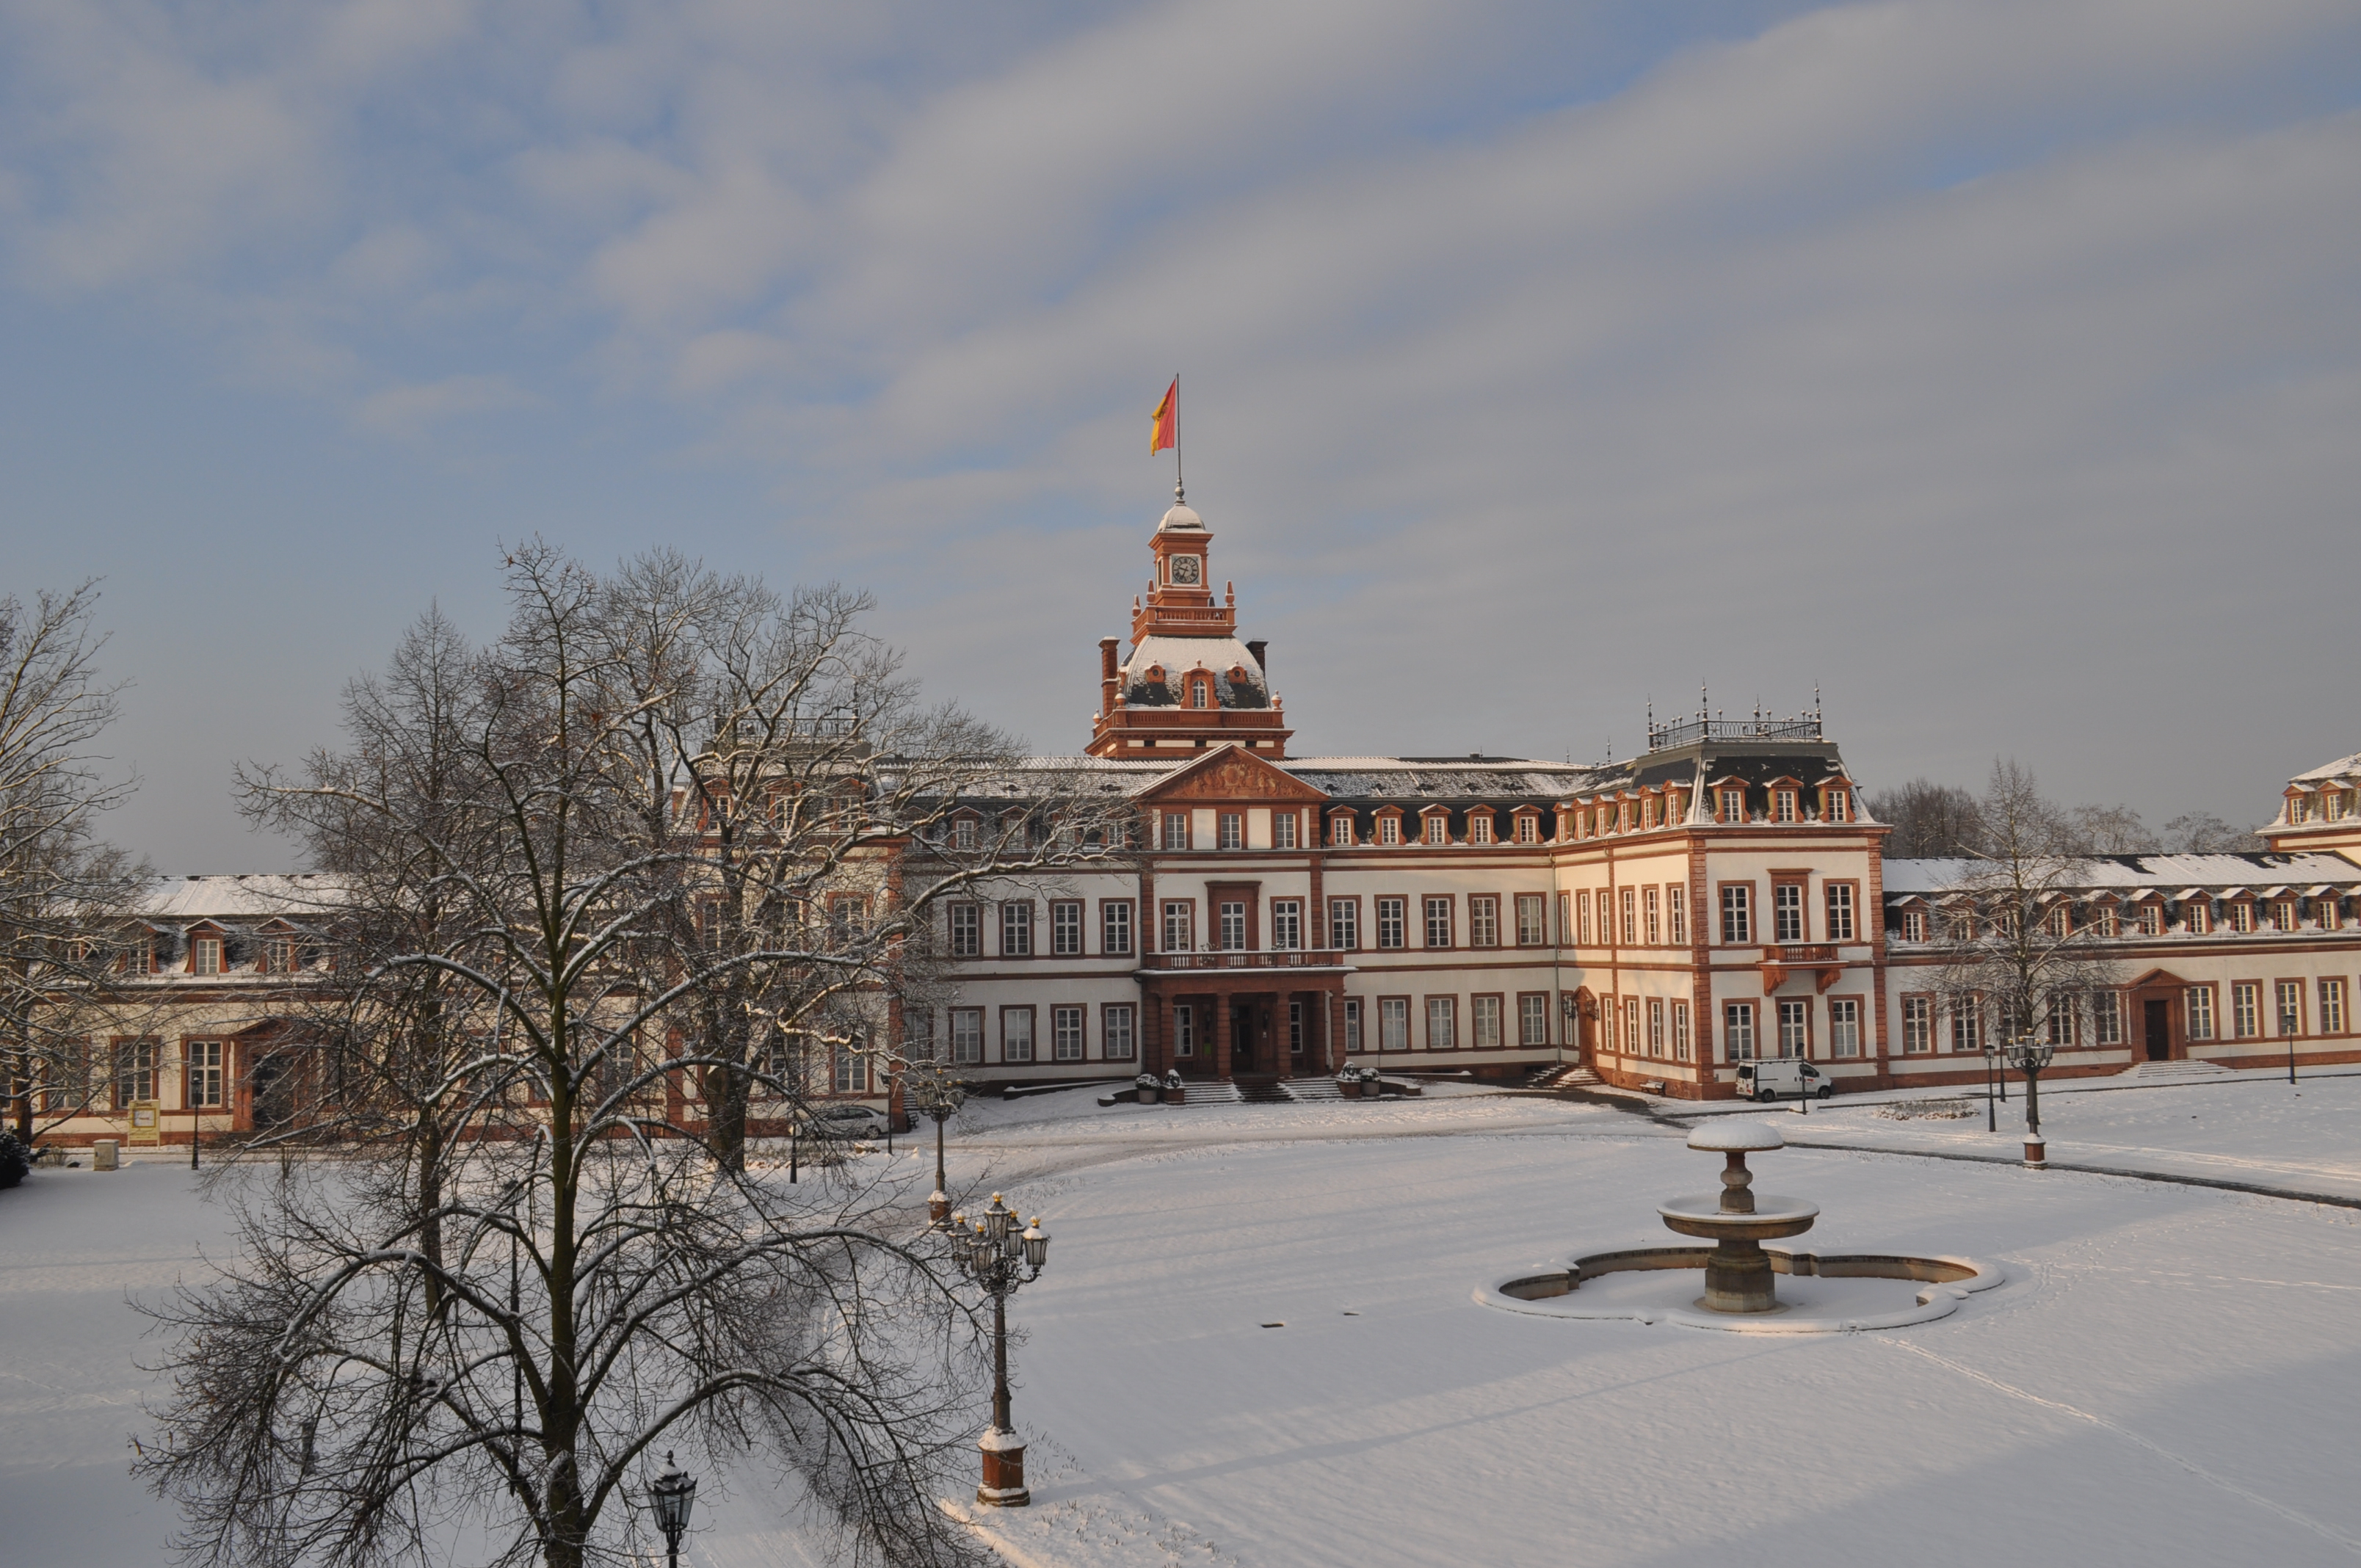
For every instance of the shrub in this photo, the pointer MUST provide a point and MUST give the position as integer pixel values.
(14, 1162)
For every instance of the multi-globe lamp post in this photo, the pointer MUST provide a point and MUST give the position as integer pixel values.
(936, 1095)
(999, 1257)
(2029, 1055)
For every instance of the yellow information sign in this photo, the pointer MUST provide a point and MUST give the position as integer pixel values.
(144, 1130)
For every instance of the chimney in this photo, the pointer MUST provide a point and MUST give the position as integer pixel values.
(1255, 648)
(1107, 676)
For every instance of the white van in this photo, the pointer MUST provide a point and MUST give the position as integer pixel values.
(1783, 1078)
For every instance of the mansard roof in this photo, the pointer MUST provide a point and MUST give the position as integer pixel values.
(2178, 876)
(185, 900)
(1423, 779)
(1176, 656)
(2329, 772)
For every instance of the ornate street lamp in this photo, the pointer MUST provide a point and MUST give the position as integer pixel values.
(991, 1251)
(2030, 1058)
(671, 1493)
(938, 1096)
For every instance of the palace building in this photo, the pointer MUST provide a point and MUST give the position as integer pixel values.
(1720, 897)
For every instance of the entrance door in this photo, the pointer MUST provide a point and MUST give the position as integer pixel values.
(1242, 1038)
(2159, 1030)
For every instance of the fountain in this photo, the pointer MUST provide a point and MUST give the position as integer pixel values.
(1740, 1292)
(1737, 1275)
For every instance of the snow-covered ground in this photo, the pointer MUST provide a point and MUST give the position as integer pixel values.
(2171, 1376)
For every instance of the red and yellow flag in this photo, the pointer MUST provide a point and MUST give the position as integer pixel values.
(1167, 420)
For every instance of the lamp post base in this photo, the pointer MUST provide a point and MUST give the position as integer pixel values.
(2037, 1153)
(1004, 1471)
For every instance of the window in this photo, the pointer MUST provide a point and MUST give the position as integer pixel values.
(1340, 830)
(1180, 918)
(69, 1078)
(1967, 1027)
(1917, 1026)
(2242, 915)
(1438, 922)
(2200, 1012)
(1352, 1025)
(1295, 1029)
(1631, 918)
(1479, 826)
(1680, 1031)
(1839, 805)
(1795, 1028)
(1233, 915)
(1016, 929)
(1200, 693)
(1282, 829)
(1484, 1022)
(1065, 929)
(139, 954)
(2289, 995)
(2197, 918)
(1653, 901)
(2331, 1006)
(967, 930)
(1119, 1025)
(1442, 1023)
(1345, 923)
(967, 1036)
(1582, 908)
(1840, 900)
(1913, 926)
(1844, 1026)
(1738, 1031)
(1783, 805)
(852, 1073)
(1483, 920)
(1655, 1026)
(1114, 926)
(1016, 1034)
(2059, 922)
(2246, 1010)
(1631, 1025)
(1677, 916)
(2327, 909)
(135, 1072)
(1530, 932)
(2151, 920)
(1394, 1023)
(963, 833)
(1787, 911)
(1184, 1031)
(1286, 923)
(1532, 1018)
(1437, 827)
(1389, 830)
(844, 914)
(2284, 916)
(1608, 1011)
(204, 1072)
(1736, 916)
(205, 955)
(1176, 829)
(1393, 916)
(2107, 920)
(1066, 1033)
(2058, 1023)
(2107, 1018)
(277, 955)
(1732, 805)
(1231, 831)
(1529, 828)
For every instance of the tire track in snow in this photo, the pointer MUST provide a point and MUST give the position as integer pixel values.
(2326, 1532)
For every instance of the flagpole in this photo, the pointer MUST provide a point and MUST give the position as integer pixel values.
(1180, 491)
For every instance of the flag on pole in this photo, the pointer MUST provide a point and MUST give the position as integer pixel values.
(1167, 420)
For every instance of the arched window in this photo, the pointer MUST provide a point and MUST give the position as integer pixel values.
(1199, 693)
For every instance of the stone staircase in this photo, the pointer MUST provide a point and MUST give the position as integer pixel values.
(1264, 1092)
(1210, 1092)
(1573, 1075)
(1311, 1089)
(2174, 1072)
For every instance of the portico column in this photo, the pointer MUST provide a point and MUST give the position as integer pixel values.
(1222, 1030)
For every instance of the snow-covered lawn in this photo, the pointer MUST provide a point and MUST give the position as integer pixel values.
(2171, 1376)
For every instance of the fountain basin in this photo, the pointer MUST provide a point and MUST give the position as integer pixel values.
(1773, 1216)
(1828, 1292)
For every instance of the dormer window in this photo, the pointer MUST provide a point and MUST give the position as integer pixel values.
(205, 955)
(1438, 828)
(1340, 830)
(2332, 804)
(2242, 915)
(1783, 805)
(1479, 826)
(2297, 810)
(2151, 919)
(1648, 809)
(1389, 830)
(2285, 916)
(1839, 805)
(1200, 692)
(1529, 828)
(1913, 926)
(963, 833)
(1732, 807)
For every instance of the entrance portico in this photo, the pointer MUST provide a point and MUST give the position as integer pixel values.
(1241, 1014)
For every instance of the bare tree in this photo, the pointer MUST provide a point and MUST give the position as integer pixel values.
(2110, 831)
(2019, 957)
(1930, 821)
(61, 888)
(533, 1263)
(2203, 833)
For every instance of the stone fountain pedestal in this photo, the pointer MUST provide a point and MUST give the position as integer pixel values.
(1737, 1275)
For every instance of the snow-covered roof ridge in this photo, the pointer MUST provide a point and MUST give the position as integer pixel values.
(2343, 767)
(2172, 873)
(239, 896)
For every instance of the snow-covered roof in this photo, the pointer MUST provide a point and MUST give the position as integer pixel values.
(1424, 778)
(1178, 655)
(246, 896)
(2180, 875)
(2329, 772)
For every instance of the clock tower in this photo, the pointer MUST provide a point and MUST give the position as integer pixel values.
(1190, 684)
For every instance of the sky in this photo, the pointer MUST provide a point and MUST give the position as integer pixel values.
(1991, 367)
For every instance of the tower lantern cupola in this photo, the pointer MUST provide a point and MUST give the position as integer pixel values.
(1189, 683)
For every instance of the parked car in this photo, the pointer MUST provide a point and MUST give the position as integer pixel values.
(1783, 1078)
(850, 1122)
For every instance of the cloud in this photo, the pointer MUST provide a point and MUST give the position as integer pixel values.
(411, 412)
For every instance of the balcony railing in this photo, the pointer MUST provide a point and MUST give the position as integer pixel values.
(1800, 953)
(1251, 957)
(1687, 731)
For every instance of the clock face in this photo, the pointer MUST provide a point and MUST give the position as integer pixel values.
(1184, 569)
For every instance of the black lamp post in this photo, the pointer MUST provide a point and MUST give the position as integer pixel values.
(991, 1251)
(1991, 1111)
(937, 1096)
(2029, 1056)
(671, 1494)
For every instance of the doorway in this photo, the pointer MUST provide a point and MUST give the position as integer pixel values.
(1242, 1020)
(2158, 1019)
